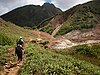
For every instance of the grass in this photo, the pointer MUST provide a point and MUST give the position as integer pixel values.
(5, 40)
(93, 50)
(85, 16)
(47, 29)
(45, 62)
(9, 33)
(88, 53)
(5, 56)
(42, 61)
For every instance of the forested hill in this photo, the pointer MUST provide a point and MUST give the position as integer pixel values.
(31, 15)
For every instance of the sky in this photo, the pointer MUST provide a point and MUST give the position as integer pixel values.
(8, 5)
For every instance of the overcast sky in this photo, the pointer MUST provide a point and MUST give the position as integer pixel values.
(8, 5)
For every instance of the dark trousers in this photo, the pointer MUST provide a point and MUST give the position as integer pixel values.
(19, 53)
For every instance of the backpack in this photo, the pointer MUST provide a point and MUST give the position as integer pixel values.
(20, 42)
(18, 49)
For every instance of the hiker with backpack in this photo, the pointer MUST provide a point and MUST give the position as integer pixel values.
(20, 41)
(19, 49)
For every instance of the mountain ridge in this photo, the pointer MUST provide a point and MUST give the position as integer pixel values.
(31, 15)
(82, 16)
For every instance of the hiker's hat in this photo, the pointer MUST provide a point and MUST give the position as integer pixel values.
(20, 37)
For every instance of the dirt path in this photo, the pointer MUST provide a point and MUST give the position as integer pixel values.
(12, 68)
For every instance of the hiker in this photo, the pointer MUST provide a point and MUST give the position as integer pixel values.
(20, 41)
(18, 51)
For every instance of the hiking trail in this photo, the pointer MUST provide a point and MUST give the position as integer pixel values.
(12, 68)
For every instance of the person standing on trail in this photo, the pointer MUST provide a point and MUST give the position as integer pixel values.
(20, 41)
(18, 51)
(19, 48)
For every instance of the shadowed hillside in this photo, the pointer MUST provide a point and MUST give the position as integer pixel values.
(31, 15)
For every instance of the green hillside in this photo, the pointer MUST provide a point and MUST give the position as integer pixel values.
(41, 61)
(31, 15)
(86, 16)
(47, 62)
(38, 59)
(83, 16)
(9, 33)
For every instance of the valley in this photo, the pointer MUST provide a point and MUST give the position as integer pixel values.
(56, 42)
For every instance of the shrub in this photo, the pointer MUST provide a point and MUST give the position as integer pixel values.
(45, 62)
(47, 29)
(5, 40)
(88, 50)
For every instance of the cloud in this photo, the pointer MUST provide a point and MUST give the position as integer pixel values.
(48, 1)
(3, 9)
(8, 5)
(66, 4)
(35, 2)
